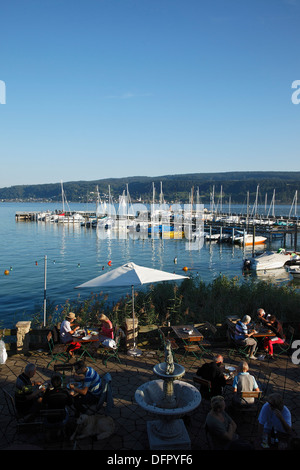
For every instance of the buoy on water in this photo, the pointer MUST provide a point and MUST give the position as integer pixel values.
(109, 263)
(6, 272)
(185, 268)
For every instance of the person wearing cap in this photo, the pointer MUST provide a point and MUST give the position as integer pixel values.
(243, 337)
(67, 330)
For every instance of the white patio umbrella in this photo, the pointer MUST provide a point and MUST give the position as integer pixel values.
(131, 275)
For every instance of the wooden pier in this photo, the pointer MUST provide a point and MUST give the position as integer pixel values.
(27, 216)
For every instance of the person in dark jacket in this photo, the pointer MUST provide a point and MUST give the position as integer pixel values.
(212, 371)
(57, 398)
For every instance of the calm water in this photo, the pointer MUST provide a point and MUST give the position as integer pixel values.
(76, 254)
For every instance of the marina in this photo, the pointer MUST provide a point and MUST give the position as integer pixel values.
(76, 252)
(192, 220)
(240, 229)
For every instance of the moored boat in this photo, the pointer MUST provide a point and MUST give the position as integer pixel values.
(267, 260)
(247, 240)
(295, 272)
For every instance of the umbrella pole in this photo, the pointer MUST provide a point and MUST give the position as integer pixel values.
(134, 351)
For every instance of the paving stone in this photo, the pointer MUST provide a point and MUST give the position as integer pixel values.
(131, 420)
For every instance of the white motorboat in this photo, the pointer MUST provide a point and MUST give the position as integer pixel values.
(247, 240)
(295, 272)
(74, 218)
(267, 260)
(213, 237)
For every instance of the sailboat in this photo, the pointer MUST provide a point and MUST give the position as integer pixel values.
(70, 217)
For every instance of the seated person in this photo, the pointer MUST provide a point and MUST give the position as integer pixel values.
(57, 398)
(106, 327)
(66, 332)
(91, 389)
(244, 382)
(27, 393)
(211, 371)
(220, 426)
(262, 316)
(274, 414)
(243, 337)
(106, 333)
(274, 325)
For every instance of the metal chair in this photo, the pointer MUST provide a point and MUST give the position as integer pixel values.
(244, 408)
(286, 346)
(195, 349)
(244, 405)
(58, 351)
(205, 386)
(15, 423)
(237, 349)
(63, 368)
(112, 353)
(54, 422)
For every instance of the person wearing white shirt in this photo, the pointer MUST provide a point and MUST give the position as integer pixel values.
(66, 332)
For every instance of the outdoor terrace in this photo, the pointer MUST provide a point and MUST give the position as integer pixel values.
(280, 375)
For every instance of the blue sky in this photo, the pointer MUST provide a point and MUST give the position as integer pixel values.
(117, 88)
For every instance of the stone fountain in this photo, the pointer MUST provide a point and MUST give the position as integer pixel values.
(169, 399)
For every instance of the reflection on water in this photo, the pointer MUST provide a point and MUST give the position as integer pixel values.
(76, 254)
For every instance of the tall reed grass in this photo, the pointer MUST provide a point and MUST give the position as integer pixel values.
(192, 301)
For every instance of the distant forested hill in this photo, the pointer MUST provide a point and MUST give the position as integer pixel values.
(235, 185)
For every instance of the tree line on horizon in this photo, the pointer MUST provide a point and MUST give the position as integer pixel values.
(176, 188)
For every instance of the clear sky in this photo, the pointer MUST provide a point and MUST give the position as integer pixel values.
(117, 88)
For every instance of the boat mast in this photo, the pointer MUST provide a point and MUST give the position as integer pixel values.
(294, 203)
(272, 204)
(62, 196)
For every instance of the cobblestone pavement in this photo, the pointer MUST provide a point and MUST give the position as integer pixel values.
(280, 375)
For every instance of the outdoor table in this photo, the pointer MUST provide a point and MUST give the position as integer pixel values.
(261, 330)
(189, 334)
(230, 370)
(182, 333)
(85, 341)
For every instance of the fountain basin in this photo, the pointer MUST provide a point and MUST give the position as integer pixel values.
(150, 395)
(168, 399)
(168, 432)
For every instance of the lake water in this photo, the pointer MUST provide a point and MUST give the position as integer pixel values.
(77, 254)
